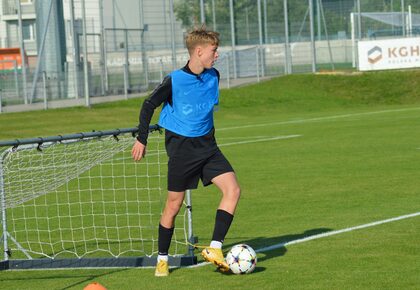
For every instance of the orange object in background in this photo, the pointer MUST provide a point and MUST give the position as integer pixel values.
(94, 286)
(10, 56)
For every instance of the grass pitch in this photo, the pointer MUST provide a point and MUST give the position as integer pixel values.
(353, 159)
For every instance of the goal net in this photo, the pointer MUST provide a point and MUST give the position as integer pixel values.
(82, 197)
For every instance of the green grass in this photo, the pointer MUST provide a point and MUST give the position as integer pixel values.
(356, 161)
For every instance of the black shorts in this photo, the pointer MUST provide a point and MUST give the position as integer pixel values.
(193, 158)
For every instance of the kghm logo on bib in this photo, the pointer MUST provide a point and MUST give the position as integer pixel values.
(375, 55)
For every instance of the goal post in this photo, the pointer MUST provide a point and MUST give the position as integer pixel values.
(81, 201)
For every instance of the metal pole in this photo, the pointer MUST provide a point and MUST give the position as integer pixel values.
(102, 47)
(258, 63)
(40, 53)
(161, 70)
(126, 81)
(403, 17)
(261, 36)
(318, 18)
(172, 17)
(286, 34)
(311, 27)
(202, 12)
(353, 39)
(213, 7)
(410, 22)
(232, 31)
(228, 70)
(260, 22)
(85, 56)
(143, 47)
(44, 81)
(190, 224)
(114, 25)
(15, 72)
(265, 21)
(392, 13)
(74, 51)
(3, 210)
(359, 21)
(22, 52)
(127, 63)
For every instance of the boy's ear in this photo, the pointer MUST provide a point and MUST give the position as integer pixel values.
(199, 50)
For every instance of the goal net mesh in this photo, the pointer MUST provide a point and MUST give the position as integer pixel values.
(86, 198)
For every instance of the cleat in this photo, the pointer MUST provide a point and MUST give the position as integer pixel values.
(162, 269)
(216, 257)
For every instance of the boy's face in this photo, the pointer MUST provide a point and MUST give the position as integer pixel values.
(208, 55)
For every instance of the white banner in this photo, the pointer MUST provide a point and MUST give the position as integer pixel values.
(389, 54)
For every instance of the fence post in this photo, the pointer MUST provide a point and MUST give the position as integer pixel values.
(126, 81)
(258, 63)
(161, 69)
(228, 70)
(15, 71)
(44, 81)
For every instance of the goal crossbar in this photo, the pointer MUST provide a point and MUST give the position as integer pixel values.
(79, 200)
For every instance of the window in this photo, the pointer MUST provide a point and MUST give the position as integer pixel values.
(28, 30)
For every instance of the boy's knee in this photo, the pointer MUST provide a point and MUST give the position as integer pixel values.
(235, 192)
(173, 207)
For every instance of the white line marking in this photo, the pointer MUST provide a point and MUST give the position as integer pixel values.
(323, 235)
(332, 233)
(242, 137)
(260, 140)
(317, 119)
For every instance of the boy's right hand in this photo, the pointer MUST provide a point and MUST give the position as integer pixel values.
(138, 151)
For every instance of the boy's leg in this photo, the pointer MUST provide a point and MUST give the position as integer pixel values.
(166, 229)
(229, 186)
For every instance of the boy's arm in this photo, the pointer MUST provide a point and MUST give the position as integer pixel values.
(162, 93)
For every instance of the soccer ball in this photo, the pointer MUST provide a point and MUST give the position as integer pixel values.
(241, 259)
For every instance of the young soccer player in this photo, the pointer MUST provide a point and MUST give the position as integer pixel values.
(189, 96)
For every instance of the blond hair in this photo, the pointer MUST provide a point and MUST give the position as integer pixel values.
(201, 36)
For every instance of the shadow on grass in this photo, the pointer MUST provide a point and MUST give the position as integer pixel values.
(260, 243)
(279, 243)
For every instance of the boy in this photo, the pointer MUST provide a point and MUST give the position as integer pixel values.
(189, 96)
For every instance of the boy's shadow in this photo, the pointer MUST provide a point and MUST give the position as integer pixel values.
(274, 246)
(271, 247)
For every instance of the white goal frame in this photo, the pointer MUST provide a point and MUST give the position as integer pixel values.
(11, 241)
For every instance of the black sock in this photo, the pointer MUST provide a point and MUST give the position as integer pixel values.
(164, 240)
(222, 224)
